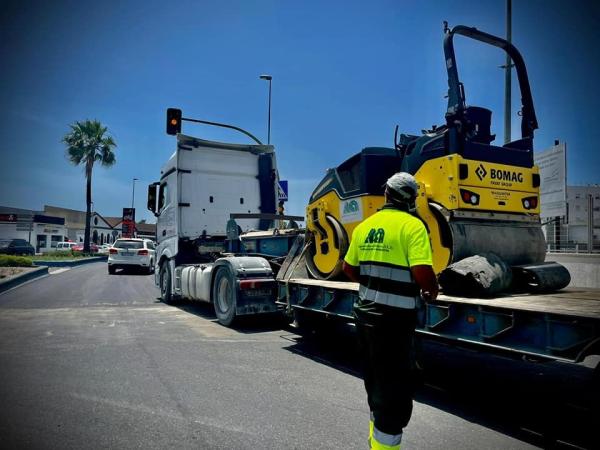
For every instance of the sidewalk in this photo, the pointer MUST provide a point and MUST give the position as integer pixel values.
(15, 276)
(69, 262)
(20, 275)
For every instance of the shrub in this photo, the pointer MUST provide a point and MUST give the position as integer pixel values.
(15, 261)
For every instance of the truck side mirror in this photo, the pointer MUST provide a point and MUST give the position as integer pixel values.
(152, 198)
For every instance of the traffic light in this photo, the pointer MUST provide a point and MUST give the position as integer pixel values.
(173, 121)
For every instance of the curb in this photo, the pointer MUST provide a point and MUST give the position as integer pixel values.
(72, 262)
(23, 278)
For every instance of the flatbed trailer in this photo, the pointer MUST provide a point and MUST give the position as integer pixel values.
(563, 325)
(252, 269)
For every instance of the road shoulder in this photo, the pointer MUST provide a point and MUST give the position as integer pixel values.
(27, 274)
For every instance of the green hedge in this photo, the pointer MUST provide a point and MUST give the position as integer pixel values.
(61, 254)
(15, 261)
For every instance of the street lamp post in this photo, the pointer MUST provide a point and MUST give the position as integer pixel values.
(269, 78)
(133, 193)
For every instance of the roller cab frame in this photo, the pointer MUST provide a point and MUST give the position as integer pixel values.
(469, 188)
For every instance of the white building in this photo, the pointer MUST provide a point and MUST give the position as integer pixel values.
(582, 222)
(103, 230)
(45, 229)
(43, 232)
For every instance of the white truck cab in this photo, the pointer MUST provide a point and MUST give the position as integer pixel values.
(201, 184)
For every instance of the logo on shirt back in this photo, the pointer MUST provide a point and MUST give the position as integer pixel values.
(375, 236)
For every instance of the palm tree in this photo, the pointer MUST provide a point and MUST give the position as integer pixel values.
(88, 142)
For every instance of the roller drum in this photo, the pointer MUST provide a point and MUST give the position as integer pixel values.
(515, 242)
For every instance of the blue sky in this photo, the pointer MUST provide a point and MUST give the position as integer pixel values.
(344, 74)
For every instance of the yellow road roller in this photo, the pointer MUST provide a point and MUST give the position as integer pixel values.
(474, 196)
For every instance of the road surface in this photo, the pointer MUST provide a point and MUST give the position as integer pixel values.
(89, 360)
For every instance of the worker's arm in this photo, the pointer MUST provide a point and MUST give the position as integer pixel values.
(425, 278)
(351, 271)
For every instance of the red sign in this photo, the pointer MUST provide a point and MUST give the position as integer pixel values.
(8, 217)
(128, 226)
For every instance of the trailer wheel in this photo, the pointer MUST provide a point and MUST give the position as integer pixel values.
(165, 283)
(224, 296)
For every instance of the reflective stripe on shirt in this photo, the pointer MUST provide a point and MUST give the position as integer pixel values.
(388, 284)
(387, 272)
(386, 298)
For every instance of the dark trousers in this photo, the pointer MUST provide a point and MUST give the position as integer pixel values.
(385, 337)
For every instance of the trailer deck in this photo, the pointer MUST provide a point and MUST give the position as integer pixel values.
(564, 325)
(582, 303)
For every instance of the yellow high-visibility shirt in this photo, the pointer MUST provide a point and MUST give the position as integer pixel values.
(390, 236)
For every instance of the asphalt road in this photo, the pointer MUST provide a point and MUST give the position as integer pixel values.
(89, 360)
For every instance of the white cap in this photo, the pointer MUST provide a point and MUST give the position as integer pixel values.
(403, 185)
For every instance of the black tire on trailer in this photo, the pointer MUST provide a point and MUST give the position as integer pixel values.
(111, 270)
(165, 283)
(224, 295)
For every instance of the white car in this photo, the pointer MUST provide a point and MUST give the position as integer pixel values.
(104, 249)
(129, 253)
(61, 246)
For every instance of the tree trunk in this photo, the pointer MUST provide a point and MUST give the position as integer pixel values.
(88, 212)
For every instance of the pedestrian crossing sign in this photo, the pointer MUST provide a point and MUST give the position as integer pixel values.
(282, 190)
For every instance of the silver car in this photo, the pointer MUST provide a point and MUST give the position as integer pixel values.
(130, 253)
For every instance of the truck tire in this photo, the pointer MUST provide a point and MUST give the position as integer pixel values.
(165, 283)
(224, 296)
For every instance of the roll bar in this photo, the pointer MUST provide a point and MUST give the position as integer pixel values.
(456, 93)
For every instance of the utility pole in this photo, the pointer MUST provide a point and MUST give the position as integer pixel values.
(590, 223)
(133, 193)
(268, 78)
(507, 76)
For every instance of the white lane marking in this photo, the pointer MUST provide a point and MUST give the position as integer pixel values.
(57, 271)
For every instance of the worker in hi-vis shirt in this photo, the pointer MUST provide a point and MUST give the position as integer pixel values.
(390, 256)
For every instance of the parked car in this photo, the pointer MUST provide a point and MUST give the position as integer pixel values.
(103, 249)
(131, 253)
(16, 247)
(63, 246)
(79, 247)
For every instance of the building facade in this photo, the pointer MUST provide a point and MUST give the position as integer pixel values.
(42, 231)
(45, 229)
(579, 230)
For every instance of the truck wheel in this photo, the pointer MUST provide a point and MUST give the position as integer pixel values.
(224, 296)
(111, 270)
(165, 283)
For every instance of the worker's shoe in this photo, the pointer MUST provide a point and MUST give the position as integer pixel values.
(384, 441)
(371, 426)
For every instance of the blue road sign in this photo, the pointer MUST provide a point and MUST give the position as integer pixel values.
(282, 191)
